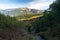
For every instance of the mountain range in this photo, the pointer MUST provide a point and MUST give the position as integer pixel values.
(20, 11)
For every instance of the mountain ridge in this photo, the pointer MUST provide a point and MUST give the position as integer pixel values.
(19, 11)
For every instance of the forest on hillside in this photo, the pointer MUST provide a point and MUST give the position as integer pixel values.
(47, 26)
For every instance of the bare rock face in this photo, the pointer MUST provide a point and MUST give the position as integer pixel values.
(15, 34)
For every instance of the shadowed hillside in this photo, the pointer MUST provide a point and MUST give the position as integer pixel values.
(11, 29)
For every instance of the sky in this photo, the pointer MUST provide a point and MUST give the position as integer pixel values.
(34, 4)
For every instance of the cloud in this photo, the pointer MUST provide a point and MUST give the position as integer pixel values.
(8, 6)
(40, 4)
(35, 4)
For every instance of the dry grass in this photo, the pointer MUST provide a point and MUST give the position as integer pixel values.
(33, 17)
